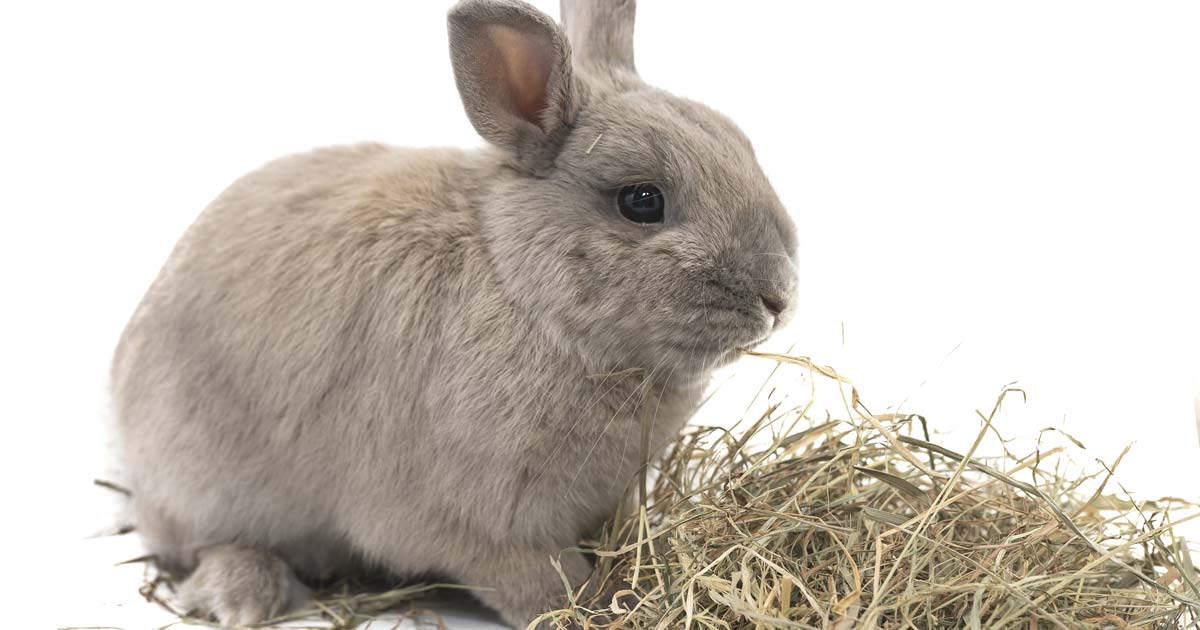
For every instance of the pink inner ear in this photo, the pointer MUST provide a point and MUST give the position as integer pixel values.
(525, 63)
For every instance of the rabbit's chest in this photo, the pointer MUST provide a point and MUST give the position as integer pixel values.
(588, 452)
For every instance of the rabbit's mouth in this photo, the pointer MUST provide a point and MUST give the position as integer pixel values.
(741, 349)
(723, 350)
(756, 332)
(754, 344)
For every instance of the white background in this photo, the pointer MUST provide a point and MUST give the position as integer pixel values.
(984, 194)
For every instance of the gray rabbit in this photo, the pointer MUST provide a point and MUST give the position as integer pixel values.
(437, 361)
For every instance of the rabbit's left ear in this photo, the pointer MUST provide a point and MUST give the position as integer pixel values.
(512, 65)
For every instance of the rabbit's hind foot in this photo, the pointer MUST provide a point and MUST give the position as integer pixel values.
(240, 586)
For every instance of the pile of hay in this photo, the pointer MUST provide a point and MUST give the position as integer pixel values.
(840, 524)
(866, 523)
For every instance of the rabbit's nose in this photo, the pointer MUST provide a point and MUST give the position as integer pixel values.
(774, 304)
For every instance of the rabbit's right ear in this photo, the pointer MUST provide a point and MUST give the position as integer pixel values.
(601, 34)
(512, 65)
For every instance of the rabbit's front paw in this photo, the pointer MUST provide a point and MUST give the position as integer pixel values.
(524, 584)
(241, 586)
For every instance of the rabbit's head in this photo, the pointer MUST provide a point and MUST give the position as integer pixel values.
(632, 225)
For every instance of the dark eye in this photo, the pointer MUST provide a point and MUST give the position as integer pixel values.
(641, 203)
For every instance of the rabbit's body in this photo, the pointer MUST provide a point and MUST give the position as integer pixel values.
(456, 376)
(295, 416)
(440, 361)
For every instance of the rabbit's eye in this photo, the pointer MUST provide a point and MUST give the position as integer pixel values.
(641, 203)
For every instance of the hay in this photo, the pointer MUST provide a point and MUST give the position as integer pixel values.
(865, 522)
(857, 523)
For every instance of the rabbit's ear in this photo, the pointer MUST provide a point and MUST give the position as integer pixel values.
(601, 33)
(513, 69)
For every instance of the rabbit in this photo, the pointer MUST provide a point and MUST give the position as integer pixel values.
(439, 361)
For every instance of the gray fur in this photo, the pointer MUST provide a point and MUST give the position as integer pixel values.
(601, 34)
(241, 585)
(419, 360)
